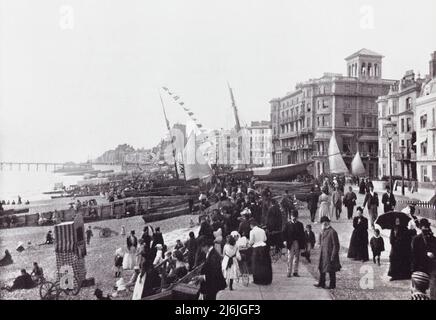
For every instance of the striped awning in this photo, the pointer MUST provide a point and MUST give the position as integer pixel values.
(368, 138)
(65, 237)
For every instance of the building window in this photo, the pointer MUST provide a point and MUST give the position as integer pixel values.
(394, 107)
(424, 174)
(408, 103)
(402, 125)
(424, 148)
(308, 107)
(346, 145)
(347, 120)
(423, 121)
(409, 124)
(368, 121)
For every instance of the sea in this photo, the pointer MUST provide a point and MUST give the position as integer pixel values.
(30, 185)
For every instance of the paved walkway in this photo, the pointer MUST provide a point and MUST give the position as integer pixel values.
(349, 279)
(282, 287)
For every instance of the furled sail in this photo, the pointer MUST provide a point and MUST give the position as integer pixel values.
(195, 165)
(357, 167)
(336, 162)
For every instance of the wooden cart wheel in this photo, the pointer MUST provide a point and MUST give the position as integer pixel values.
(48, 291)
(77, 287)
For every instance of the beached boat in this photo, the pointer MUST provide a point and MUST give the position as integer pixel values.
(279, 173)
(14, 211)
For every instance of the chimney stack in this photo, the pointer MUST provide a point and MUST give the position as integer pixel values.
(433, 65)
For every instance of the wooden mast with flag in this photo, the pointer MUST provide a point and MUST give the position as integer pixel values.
(171, 137)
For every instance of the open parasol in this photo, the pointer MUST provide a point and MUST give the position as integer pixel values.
(387, 220)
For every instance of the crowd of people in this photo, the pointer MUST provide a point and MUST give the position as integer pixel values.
(243, 225)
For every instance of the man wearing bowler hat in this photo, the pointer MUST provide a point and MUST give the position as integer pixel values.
(329, 254)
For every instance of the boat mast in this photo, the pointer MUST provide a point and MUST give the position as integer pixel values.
(172, 140)
(238, 127)
(235, 110)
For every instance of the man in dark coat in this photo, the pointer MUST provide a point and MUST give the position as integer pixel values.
(191, 246)
(23, 281)
(329, 254)
(146, 238)
(157, 238)
(211, 276)
(371, 199)
(424, 254)
(293, 234)
(349, 202)
(244, 226)
(358, 249)
(132, 241)
(256, 211)
(274, 225)
(312, 203)
(388, 200)
(286, 205)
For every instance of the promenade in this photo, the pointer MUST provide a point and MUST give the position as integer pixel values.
(281, 288)
(355, 281)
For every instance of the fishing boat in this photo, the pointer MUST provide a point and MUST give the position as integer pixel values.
(279, 173)
(357, 167)
(336, 162)
(57, 189)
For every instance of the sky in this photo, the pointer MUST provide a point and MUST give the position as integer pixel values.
(79, 77)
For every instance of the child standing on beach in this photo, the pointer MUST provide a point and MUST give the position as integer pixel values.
(310, 242)
(118, 262)
(89, 234)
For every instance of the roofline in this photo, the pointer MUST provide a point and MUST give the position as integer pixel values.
(365, 55)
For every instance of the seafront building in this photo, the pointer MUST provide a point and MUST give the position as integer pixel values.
(251, 146)
(397, 128)
(425, 123)
(303, 121)
(260, 143)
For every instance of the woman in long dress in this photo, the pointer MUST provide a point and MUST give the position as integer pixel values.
(260, 258)
(230, 264)
(358, 249)
(324, 204)
(401, 252)
(129, 259)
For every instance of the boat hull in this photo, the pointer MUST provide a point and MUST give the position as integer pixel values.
(280, 173)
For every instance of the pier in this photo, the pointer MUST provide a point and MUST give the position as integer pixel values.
(29, 165)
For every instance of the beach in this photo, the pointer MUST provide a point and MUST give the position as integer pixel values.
(99, 260)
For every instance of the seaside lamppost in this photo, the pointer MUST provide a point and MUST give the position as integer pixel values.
(390, 163)
(402, 148)
(389, 135)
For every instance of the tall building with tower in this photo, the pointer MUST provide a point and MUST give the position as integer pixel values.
(303, 121)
